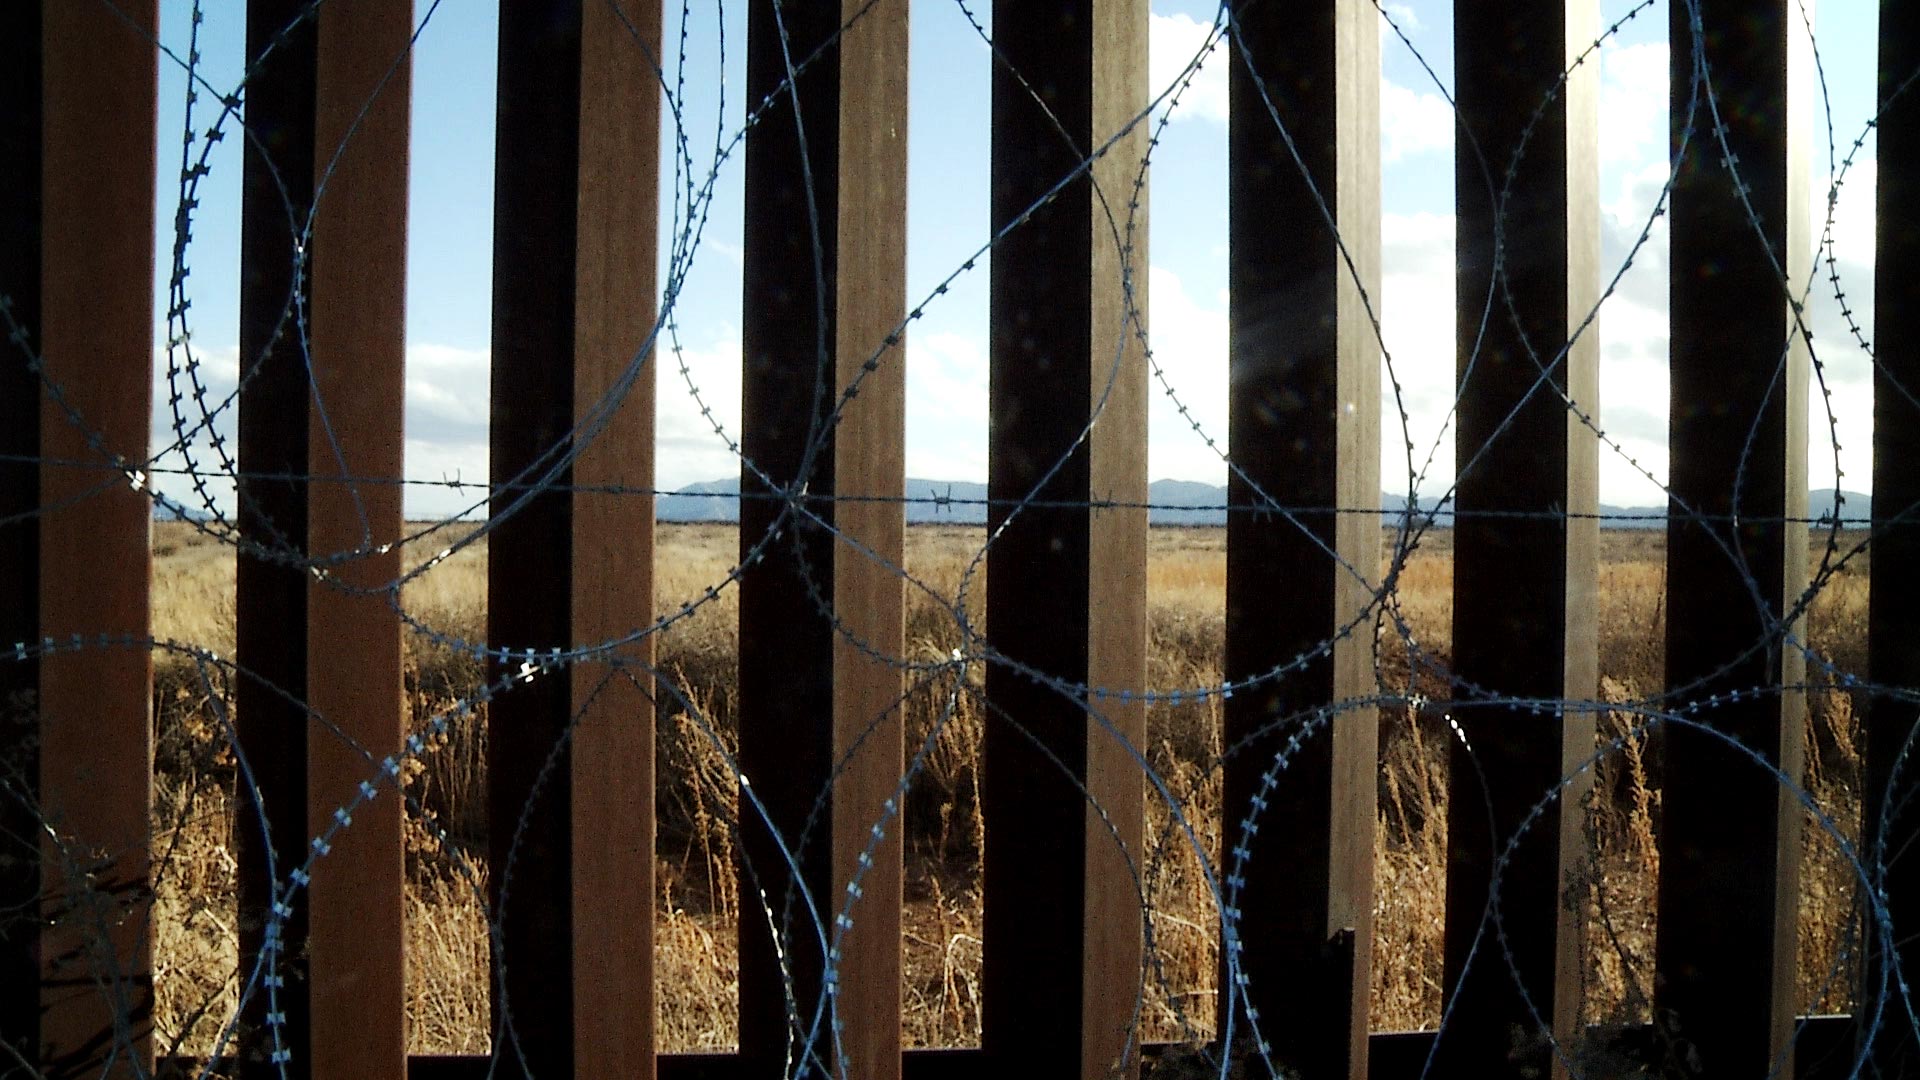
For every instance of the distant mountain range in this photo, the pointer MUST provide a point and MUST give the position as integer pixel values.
(1173, 502)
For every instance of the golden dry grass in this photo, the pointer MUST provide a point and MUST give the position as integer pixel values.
(699, 909)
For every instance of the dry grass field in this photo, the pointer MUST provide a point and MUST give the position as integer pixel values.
(699, 905)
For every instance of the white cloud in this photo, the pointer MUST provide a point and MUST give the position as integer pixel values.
(1846, 367)
(1637, 192)
(1629, 324)
(1172, 43)
(443, 460)
(1634, 334)
(447, 393)
(1633, 103)
(1189, 342)
(1632, 325)
(1632, 414)
(447, 388)
(219, 371)
(1844, 414)
(446, 428)
(1416, 321)
(1852, 213)
(1406, 19)
(1418, 243)
(946, 406)
(1413, 123)
(687, 447)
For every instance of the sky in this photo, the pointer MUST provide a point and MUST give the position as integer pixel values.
(449, 273)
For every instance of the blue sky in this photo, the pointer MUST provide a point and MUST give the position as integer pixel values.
(450, 277)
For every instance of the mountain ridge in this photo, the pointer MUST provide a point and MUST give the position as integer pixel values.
(1189, 503)
(1171, 502)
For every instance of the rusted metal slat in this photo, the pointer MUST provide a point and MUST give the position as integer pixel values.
(1066, 588)
(576, 198)
(1112, 963)
(20, 393)
(1730, 842)
(95, 333)
(820, 308)
(786, 640)
(270, 597)
(612, 568)
(535, 263)
(358, 337)
(870, 464)
(1304, 423)
(1893, 632)
(1525, 620)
